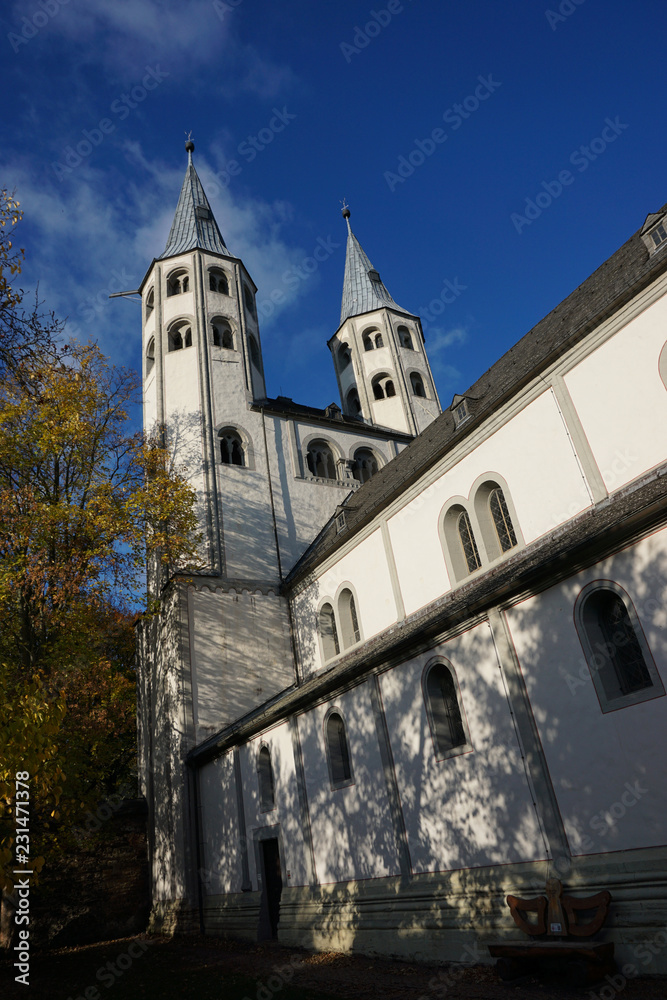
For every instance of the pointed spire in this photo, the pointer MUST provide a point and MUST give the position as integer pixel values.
(194, 225)
(363, 289)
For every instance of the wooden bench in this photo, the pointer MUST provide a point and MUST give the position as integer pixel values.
(560, 924)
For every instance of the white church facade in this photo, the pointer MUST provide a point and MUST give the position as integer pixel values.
(424, 663)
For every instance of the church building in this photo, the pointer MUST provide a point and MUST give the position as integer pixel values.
(421, 664)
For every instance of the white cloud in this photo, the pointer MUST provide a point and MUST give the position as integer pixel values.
(122, 36)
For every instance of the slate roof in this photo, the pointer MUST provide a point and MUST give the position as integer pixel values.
(612, 285)
(363, 289)
(194, 226)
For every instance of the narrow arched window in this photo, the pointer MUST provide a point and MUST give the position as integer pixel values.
(347, 616)
(340, 768)
(468, 544)
(365, 464)
(254, 353)
(177, 283)
(501, 519)
(389, 388)
(150, 302)
(249, 301)
(378, 391)
(217, 281)
(150, 355)
(353, 403)
(231, 447)
(344, 357)
(179, 336)
(379, 342)
(618, 656)
(444, 710)
(367, 342)
(320, 460)
(417, 383)
(404, 338)
(221, 334)
(328, 632)
(217, 336)
(265, 777)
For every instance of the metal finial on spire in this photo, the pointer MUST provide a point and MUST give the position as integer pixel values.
(189, 145)
(346, 209)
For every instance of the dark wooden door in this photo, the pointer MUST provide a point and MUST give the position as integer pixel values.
(273, 882)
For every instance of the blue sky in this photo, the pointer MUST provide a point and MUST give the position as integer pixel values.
(294, 106)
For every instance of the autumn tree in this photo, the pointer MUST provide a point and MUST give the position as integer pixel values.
(83, 505)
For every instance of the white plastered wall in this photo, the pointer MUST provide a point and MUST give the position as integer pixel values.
(286, 814)
(593, 756)
(475, 808)
(621, 399)
(352, 832)
(365, 567)
(222, 871)
(533, 454)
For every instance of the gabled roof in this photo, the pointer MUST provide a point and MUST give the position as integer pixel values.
(363, 289)
(194, 226)
(615, 283)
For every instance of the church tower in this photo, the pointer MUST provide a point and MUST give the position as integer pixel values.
(378, 350)
(202, 360)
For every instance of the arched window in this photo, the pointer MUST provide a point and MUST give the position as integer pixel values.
(344, 356)
(496, 517)
(340, 768)
(320, 460)
(180, 336)
(150, 355)
(267, 800)
(382, 386)
(618, 656)
(231, 447)
(150, 302)
(502, 521)
(254, 353)
(365, 464)
(367, 342)
(178, 282)
(417, 383)
(249, 300)
(405, 339)
(347, 616)
(443, 704)
(221, 334)
(353, 402)
(217, 281)
(467, 540)
(379, 342)
(328, 632)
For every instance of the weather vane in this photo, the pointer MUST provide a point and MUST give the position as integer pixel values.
(346, 209)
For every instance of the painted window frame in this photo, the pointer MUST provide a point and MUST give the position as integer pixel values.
(615, 702)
